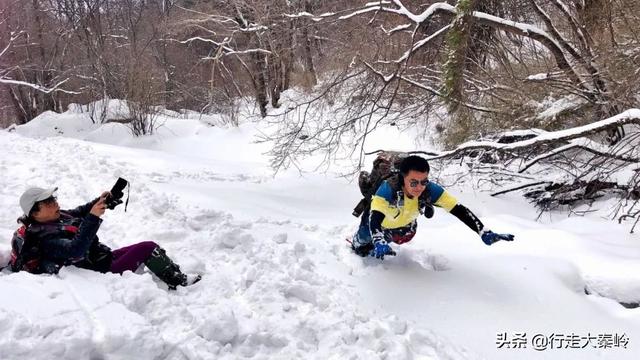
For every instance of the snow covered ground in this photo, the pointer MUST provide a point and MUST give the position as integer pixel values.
(280, 281)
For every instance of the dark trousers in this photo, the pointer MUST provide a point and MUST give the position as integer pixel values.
(132, 256)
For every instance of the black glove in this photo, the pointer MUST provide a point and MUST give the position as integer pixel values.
(428, 210)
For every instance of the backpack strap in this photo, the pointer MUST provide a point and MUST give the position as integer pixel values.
(396, 182)
(424, 200)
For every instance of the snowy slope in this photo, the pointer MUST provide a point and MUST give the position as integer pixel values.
(280, 282)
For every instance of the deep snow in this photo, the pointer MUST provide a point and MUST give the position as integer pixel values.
(280, 281)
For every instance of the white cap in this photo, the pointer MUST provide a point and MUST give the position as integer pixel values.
(32, 196)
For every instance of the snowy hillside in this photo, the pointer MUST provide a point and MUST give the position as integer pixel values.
(280, 281)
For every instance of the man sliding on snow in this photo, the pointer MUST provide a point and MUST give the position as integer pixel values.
(398, 202)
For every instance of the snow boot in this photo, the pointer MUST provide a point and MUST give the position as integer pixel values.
(166, 270)
(360, 248)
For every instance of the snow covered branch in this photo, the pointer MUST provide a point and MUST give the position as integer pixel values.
(589, 169)
(520, 187)
(8, 81)
(224, 45)
(581, 144)
(631, 116)
(43, 89)
(12, 37)
(422, 43)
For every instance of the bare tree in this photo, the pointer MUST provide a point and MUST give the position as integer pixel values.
(29, 66)
(256, 37)
(494, 63)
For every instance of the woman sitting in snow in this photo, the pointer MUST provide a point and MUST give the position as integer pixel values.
(50, 238)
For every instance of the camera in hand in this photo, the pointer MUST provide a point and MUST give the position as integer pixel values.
(115, 198)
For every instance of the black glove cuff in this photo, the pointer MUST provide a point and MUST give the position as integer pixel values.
(428, 211)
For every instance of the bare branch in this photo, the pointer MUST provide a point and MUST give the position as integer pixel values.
(43, 89)
(631, 116)
(582, 144)
(519, 187)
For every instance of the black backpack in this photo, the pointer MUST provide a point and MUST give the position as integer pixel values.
(25, 255)
(385, 165)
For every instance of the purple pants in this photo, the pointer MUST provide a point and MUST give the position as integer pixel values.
(131, 257)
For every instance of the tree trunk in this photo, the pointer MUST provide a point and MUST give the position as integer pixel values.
(168, 68)
(310, 72)
(458, 46)
(274, 69)
(287, 58)
(22, 112)
(44, 101)
(260, 65)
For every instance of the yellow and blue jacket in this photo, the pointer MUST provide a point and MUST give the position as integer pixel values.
(400, 210)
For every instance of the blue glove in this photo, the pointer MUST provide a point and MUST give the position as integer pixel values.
(489, 237)
(380, 246)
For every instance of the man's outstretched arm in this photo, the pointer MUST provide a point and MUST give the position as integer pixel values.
(443, 199)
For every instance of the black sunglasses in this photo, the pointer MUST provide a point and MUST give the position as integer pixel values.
(414, 182)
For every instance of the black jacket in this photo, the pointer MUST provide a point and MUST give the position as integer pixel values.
(70, 240)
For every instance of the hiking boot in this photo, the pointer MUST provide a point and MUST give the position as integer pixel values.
(168, 271)
(190, 279)
(184, 280)
(361, 242)
(363, 250)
